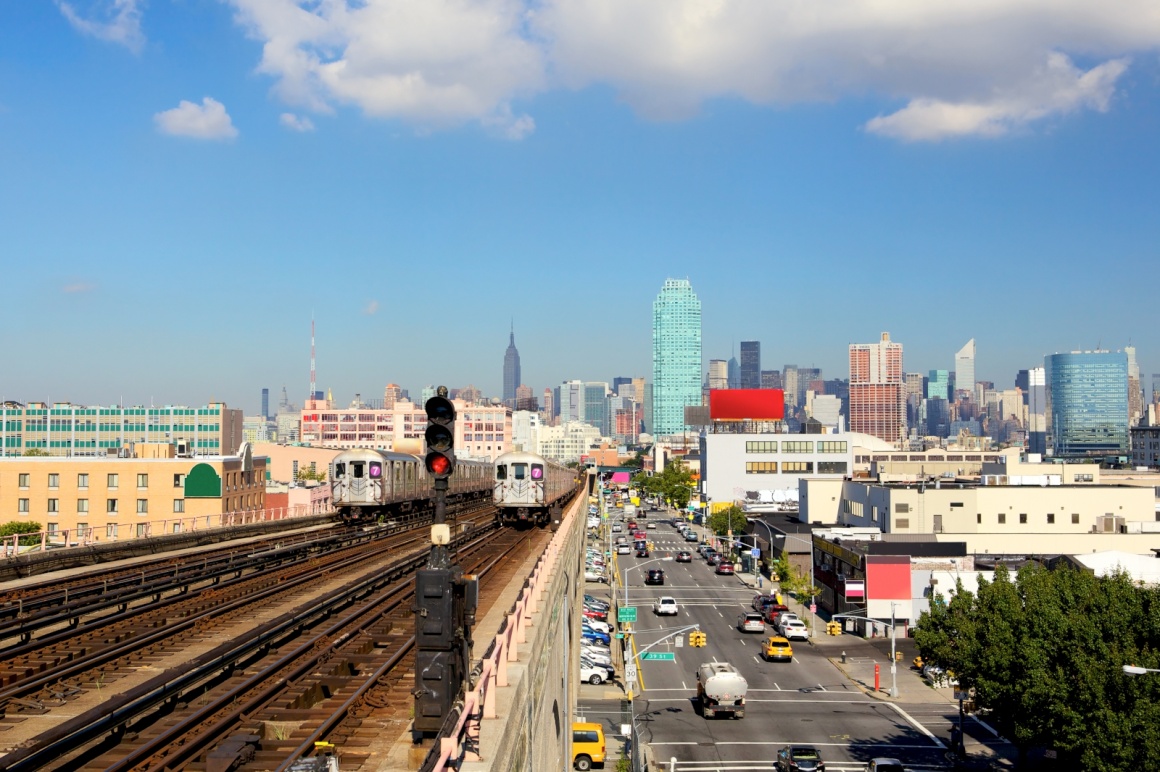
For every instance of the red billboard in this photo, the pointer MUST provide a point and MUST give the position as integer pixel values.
(746, 404)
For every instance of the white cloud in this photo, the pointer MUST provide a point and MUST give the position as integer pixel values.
(1060, 89)
(296, 122)
(78, 288)
(118, 21)
(206, 121)
(961, 67)
(433, 63)
(371, 308)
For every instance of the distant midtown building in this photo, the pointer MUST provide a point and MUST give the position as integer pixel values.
(718, 374)
(965, 369)
(511, 370)
(877, 393)
(789, 380)
(938, 384)
(771, 379)
(65, 429)
(1089, 402)
(750, 364)
(676, 356)
(1033, 383)
(734, 370)
(525, 399)
(1135, 388)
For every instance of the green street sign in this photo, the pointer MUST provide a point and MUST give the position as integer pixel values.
(626, 614)
(659, 656)
(619, 636)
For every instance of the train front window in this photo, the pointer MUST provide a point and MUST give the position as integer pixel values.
(357, 469)
(501, 472)
(340, 470)
(519, 471)
(537, 471)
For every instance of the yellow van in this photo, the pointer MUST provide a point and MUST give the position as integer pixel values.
(587, 746)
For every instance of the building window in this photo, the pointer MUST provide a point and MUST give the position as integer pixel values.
(112, 482)
(956, 504)
(24, 480)
(53, 506)
(51, 528)
(142, 481)
(142, 530)
(902, 522)
(797, 466)
(178, 480)
(829, 446)
(82, 529)
(177, 527)
(979, 518)
(1084, 478)
(1075, 518)
(22, 506)
(938, 528)
(83, 481)
(82, 506)
(111, 531)
(760, 467)
(901, 509)
(1022, 518)
(53, 481)
(831, 467)
(179, 505)
(1050, 518)
(111, 506)
(1002, 518)
(798, 446)
(761, 447)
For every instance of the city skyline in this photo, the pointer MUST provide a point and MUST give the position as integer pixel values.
(186, 209)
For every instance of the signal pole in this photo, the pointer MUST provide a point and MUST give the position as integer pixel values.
(445, 598)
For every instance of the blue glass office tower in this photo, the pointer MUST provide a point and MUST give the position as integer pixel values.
(676, 355)
(1089, 402)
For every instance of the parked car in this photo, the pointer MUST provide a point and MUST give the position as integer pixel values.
(594, 575)
(602, 627)
(588, 634)
(690, 536)
(595, 613)
(655, 576)
(939, 677)
(587, 746)
(724, 568)
(751, 622)
(704, 550)
(587, 663)
(800, 758)
(777, 647)
(712, 558)
(684, 557)
(795, 629)
(592, 600)
(774, 612)
(597, 654)
(593, 675)
(665, 606)
(762, 603)
(784, 617)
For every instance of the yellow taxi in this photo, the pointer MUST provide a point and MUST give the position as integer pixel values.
(777, 647)
(587, 746)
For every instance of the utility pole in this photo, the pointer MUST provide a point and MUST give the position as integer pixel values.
(445, 598)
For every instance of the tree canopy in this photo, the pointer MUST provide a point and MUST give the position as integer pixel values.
(16, 527)
(724, 520)
(674, 485)
(1044, 652)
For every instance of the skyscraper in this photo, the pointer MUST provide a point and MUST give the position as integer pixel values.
(718, 374)
(877, 390)
(511, 369)
(750, 364)
(1135, 388)
(789, 383)
(676, 355)
(965, 368)
(266, 404)
(771, 379)
(1089, 402)
(938, 384)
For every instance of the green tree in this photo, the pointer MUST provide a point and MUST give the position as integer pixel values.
(35, 452)
(724, 520)
(15, 527)
(307, 474)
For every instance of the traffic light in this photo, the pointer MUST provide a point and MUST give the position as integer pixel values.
(440, 436)
(833, 628)
(697, 638)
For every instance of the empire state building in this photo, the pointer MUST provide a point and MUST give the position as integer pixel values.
(511, 370)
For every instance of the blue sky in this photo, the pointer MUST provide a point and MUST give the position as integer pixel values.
(183, 183)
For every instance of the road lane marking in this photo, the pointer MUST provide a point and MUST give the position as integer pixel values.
(917, 725)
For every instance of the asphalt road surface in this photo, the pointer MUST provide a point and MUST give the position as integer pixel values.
(806, 701)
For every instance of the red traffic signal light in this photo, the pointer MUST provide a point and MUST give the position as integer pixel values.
(440, 437)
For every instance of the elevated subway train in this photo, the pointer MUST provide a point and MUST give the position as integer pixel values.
(530, 489)
(366, 484)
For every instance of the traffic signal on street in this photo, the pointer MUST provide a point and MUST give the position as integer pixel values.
(833, 628)
(440, 436)
(697, 638)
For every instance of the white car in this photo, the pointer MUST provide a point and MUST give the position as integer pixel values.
(596, 654)
(665, 606)
(598, 626)
(795, 629)
(623, 549)
(786, 616)
(651, 526)
(593, 675)
(594, 575)
(751, 622)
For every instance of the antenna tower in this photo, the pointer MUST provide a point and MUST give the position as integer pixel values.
(313, 380)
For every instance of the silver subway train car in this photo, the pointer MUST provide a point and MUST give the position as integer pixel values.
(529, 489)
(367, 484)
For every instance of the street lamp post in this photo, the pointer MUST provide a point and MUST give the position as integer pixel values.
(1133, 670)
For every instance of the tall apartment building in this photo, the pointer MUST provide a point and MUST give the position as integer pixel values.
(1135, 388)
(789, 380)
(877, 390)
(1089, 402)
(750, 364)
(718, 374)
(65, 429)
(676, 355)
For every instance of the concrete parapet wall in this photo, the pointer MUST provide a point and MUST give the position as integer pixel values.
(532, 727)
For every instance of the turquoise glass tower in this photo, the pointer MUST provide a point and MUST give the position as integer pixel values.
(676, 355)
(1089, 402)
